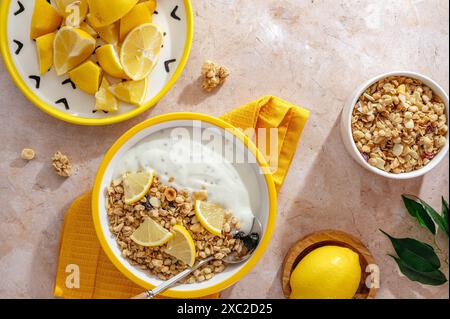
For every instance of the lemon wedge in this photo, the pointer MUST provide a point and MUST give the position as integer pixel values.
(136, 185)
(71, 47)
(140, 50)
(44, 45)
(88, 29)
(105, 12)
(76, 9)
(86, 77)
(181, 246)
(105, 100)
(151, 234)
(109, 60)
(211, 216)
(45, 19)
(140, 14)
(108, 33)
(133, 92)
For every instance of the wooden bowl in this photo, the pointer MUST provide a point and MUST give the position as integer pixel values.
(325, 238)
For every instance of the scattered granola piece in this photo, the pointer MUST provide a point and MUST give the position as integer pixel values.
(27, 154)
(62, 164)
(213, 75)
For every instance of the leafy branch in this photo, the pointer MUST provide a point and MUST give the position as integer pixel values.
(417, 260)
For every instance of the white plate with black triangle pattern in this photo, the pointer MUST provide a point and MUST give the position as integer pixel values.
(58, 96)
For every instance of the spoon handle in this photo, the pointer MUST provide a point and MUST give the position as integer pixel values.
(150, 294)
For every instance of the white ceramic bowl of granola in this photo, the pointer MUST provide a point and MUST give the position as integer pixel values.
(262, 198)
(346, 126)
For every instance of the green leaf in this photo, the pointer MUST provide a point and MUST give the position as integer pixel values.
(433, 278)
(417, 255)
(438, 219)
(445, 212)
(416, 210)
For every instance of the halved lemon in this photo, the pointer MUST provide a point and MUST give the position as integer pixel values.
(211, 216)
(140, 14)
(44, 45)
(87, 77)
(45, 19)
(105, 12)
(71, 47)
(181, 246)
(136, 185)
(140, 50)
(105, 100)
(108, 59)
(133, 92)
(151, 234)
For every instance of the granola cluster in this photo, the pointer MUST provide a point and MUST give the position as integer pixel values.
(27, 154)
(168, 207)
(399, 124)
(213, 75)
(61, 164)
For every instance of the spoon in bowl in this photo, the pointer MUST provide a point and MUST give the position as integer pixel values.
(250, 241)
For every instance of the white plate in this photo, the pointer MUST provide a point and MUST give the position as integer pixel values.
(56, 94)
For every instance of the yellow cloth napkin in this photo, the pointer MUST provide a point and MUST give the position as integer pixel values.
(99, 278)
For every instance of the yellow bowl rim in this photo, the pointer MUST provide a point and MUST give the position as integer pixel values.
(4, 48)
(269, 182)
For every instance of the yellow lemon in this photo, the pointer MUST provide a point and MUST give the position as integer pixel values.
(87, 77)
(133, 92)
(140, 50)
(45, 19)
(151, 5)
(150, 234)
(108, 33)
(44, 45)
(210, 215)
(88, 29)
(140, 14)
(75, 10)
(105, 100)
(328, 272)
(71, 47)
(181, 245)
(109, 60)
(136, 185)
(105, 12)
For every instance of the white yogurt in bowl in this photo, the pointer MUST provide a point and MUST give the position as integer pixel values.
(195, 164)
(169, 145)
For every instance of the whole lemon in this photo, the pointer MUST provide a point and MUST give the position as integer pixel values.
(328, 272)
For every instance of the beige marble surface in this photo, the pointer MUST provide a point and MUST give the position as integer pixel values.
(313, 53)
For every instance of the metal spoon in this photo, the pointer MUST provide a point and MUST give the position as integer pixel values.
(250, 242)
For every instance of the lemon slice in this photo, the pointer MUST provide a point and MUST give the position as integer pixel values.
(140, 14)
(71, 47)
(211, 216)
(105, 12)
(44, 45)
(182, 246)
(86, 77)
(45, 19)
(136, 185)
(140, 50)
(109, 61)
(151, 234)
(77, 9)
(105, 100)
(133, 92)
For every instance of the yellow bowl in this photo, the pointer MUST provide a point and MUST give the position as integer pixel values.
(49, 91)
(266, 199)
